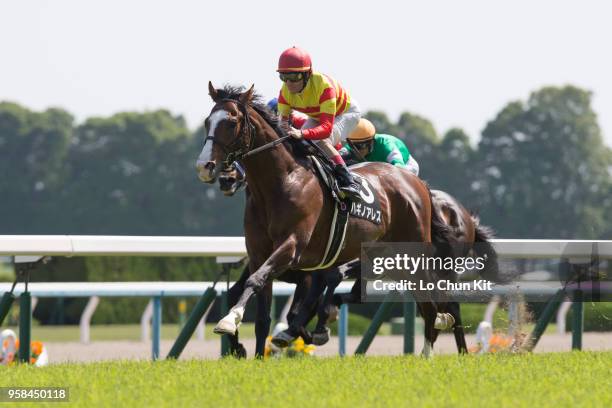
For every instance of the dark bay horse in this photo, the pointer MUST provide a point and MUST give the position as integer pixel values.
(289, 210)
(464, 227)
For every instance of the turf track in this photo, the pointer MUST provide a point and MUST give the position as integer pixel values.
(556, 379)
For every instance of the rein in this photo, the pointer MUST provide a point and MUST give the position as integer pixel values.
(266, 146)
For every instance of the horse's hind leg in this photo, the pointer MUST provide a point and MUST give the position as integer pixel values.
(320, 336)
(428, 312)
(353, 297)
(305, 313)
(454, 309)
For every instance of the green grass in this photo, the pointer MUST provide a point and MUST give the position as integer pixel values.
(559, 379)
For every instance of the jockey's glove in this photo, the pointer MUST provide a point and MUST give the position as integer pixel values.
(295, 133)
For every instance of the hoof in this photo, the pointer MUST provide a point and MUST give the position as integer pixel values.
(427, 356)
(282, 339)
(225, 327)
(444, 321)
(229, 324)
(239, 352)
(320, 338)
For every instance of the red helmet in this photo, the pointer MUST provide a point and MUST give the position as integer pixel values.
(294, 60)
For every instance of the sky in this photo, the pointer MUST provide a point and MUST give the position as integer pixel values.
(457, 63)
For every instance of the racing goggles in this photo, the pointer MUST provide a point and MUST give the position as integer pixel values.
(366, 144)
(291, 76)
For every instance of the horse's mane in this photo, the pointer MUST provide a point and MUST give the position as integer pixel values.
(258, 104)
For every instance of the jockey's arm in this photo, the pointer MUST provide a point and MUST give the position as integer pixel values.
(323, 131)
(395, 158)
(284, 112)
(298, 119)
(327, 108)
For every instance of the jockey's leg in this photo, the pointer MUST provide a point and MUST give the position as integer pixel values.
(343, 125)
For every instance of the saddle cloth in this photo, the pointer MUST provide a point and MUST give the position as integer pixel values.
(368, 208)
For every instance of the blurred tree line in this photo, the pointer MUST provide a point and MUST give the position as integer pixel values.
(540, 170)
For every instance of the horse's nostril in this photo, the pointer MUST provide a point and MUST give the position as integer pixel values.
(210, 165)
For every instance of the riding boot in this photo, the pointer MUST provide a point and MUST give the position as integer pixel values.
(345, 181)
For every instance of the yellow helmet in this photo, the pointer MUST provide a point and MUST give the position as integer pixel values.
(364, 131)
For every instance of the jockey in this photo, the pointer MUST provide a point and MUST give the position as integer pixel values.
(332, 115)
(366, 145)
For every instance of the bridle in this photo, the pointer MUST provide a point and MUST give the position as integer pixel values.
(238, 150)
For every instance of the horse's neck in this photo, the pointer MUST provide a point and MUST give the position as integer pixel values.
(267, 170)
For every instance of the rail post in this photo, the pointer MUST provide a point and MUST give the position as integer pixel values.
(192, 322)
(577, 320)
(545, 318)
(157, 318)
(25, 326)
(381, 315)
(342, 329)
(409, 321)
(5, 305)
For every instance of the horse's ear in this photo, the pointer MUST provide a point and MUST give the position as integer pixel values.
(246, 97)
(212, 92)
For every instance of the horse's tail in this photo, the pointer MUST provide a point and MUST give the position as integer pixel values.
(441, 233)
(483, 247)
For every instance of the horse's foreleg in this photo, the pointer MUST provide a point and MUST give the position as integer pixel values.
(274, 266)
(320, 336)
(263, 319)
(299, 299)
(299, 296)
(308, 307)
